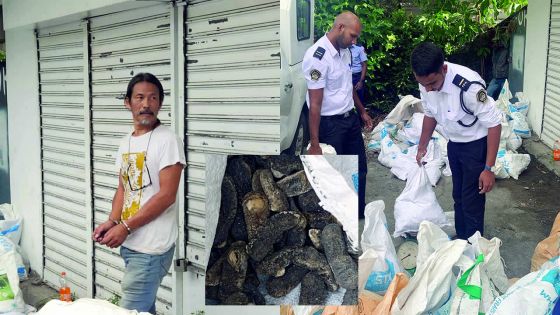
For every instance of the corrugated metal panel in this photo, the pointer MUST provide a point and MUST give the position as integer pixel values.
(123, 44)
(551, 116)
(232, 92)
(64, 148)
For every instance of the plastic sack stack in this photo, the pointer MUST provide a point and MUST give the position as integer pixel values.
(509, 163)
(10, 235)
(396, 138)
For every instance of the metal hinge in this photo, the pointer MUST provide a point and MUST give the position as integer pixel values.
(181, 264)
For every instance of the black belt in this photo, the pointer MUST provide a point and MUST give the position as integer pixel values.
(345, 115)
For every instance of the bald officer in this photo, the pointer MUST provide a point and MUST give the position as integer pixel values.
(335, 109)
(455, 97)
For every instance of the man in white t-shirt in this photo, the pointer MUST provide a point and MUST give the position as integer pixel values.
(150, 161)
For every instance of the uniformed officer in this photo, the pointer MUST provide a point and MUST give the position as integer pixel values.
(359, 68)
(454, 97)
(331, 97)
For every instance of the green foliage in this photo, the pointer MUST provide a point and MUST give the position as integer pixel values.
(115, 299)
(199, 312)
(390, 32)
(2, 55)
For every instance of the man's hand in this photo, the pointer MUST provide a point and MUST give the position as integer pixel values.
(99, 231)
(315, 149)
(420, 154)
(115, 236)
(486, 181)
(368, 123)
(359, 85)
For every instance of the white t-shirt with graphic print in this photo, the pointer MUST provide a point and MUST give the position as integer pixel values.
(139, 161)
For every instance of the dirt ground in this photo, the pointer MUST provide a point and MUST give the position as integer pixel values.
(519, 212)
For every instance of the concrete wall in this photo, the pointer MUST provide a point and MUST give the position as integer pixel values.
(538, 17)
(18, 13)
(24, 142)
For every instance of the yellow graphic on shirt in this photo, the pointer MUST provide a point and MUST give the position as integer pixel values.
(132, 170)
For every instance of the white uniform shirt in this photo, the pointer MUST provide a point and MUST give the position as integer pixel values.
(358, 56)
(331, 71)
(445, 107)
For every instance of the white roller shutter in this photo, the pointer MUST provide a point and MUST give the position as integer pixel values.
(232, 74)
(122, 45)
(551, 117)
(65, 156)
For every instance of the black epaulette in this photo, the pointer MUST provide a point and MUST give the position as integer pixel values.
(461, 82)
(319, 53)
(464, 85)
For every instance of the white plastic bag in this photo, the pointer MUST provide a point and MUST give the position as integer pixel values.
(493, 263)
(522, 104)
(378, 265)
(347, 167)
(6, 245)
(215, 170)
(412, 129)
(406, 164)
(482, 280)
(430, 238)
(513, 142)
(85, 306)
(11, 297)
(429, 289)
(390, 151)
(325, 148)
(535, 293)
(511, 164)
(417, 203)
(11, 225)
(405, 108)
(519, 125)
(503, 99)
(337, 197)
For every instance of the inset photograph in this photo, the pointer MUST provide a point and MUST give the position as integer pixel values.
(282, 230)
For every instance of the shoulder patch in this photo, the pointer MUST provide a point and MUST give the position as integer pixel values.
(481, 95)
(461, 82)
(319, 53)
(315, 74)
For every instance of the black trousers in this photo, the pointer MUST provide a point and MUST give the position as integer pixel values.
(355, 79)
(345, 135)
(467, 161)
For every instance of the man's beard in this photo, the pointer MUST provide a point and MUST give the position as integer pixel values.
(145, 122)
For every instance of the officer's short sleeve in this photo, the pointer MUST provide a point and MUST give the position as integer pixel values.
(483, 106)
(363, 56)
(315, 71)
(427, 111)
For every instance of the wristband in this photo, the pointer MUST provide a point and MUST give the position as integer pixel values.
(126, 226)
(488, 168)
(115, 222)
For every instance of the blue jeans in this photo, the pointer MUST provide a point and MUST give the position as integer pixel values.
(495, 87)
(142, 277)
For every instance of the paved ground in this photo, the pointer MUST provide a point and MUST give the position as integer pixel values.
(36, 293)
(519, 212)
